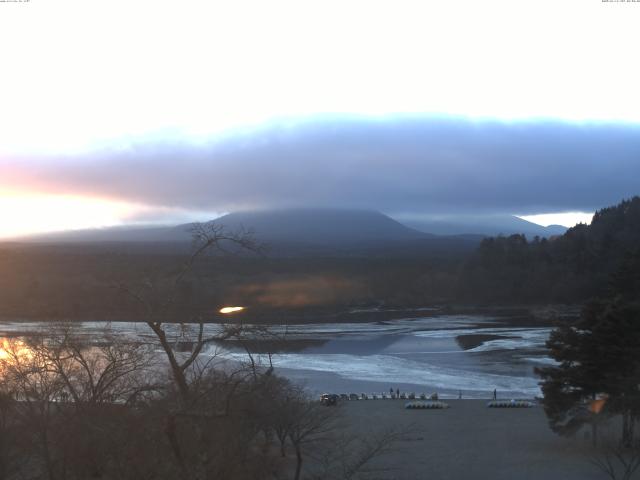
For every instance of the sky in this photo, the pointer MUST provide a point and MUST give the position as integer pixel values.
(158, 112)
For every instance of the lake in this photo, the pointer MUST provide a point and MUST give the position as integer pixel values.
(447, 354)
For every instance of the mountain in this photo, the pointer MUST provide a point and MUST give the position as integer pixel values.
(322, 226)
(489, 225)
(303, 226)
(293, 232)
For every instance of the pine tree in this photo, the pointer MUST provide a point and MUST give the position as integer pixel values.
(598, 355)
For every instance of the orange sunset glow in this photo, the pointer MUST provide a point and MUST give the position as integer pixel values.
(11, 349)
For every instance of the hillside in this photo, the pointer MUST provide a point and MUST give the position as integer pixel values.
(488, 225)
(570, 268)
(291, 232)
(321, 226)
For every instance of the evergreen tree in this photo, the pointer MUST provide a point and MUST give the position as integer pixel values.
(570, 268)
(598, 355)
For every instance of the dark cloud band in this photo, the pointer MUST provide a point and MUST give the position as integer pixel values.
(399, 165)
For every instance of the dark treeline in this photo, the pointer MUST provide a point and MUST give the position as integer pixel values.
(567, 269)
(77, 282)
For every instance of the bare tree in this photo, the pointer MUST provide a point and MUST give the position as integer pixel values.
(190, 374)
(14, 443)
(105, 370)
(321, 441)
(36, 390)
(101, 407)
(311, 423)
(617, 459)
(349, 456)
(72, 401)
(207, 238)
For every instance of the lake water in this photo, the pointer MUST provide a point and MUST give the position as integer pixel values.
(447, 354)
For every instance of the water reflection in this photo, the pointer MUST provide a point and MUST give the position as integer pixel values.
(446, 353)
(62, 367)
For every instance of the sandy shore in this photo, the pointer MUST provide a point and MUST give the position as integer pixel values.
(471, 441)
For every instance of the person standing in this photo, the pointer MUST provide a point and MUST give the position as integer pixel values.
(495, 394)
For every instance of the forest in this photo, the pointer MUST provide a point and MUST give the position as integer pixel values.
(70, 282)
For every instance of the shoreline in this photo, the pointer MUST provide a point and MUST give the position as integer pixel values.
(539, 315)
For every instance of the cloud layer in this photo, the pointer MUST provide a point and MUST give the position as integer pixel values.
(396, 165)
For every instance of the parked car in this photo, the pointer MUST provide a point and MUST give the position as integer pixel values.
(329, 399)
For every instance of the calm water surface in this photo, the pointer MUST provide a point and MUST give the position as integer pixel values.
(448, 354)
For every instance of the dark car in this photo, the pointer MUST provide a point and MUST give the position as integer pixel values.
(329, 399)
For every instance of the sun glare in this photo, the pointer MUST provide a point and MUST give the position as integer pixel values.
(10, 349)
(567, 219)
(231, 309)
(25, 213)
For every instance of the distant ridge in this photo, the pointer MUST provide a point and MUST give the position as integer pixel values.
(321, 227)
(489, 225)
(293, 232)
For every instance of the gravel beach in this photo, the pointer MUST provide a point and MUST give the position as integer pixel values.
(471, 441)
